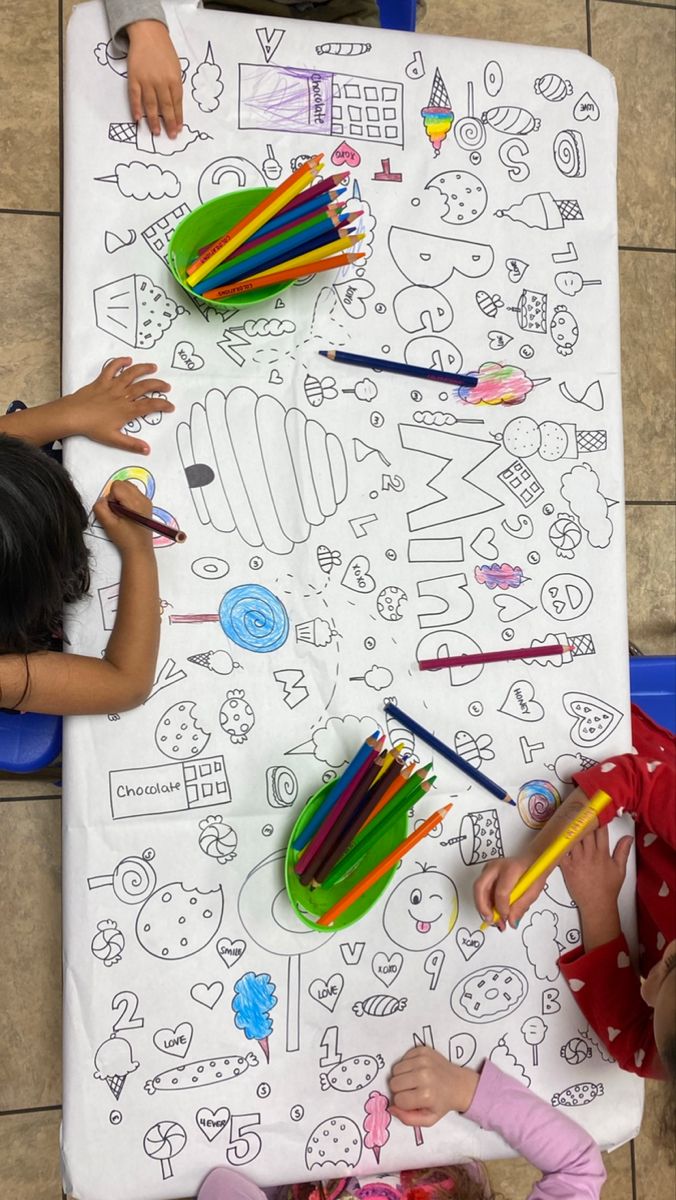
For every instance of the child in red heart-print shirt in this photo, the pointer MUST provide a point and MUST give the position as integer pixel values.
(630, 1006)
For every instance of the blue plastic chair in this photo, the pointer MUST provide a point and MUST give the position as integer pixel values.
(28, 741)
(653, 688)
(397, 14)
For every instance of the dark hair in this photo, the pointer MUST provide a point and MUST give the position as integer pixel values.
(448, 1183)
(44, 562)
(667, 1127)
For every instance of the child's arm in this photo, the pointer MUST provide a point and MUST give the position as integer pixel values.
(153, 70)
(425, 1086)
(71, 683)
(600, 975)
(99, 410)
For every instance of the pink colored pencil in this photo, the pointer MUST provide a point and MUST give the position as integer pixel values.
(311, 851)
(472, 660)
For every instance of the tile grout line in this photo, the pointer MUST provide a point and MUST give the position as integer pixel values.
(649, 249)
(29, 212)
(632, 1157)
(25, 799)
(655, 503)
(19, 1112)
(60, 42)
(589, 28)
(643, 4)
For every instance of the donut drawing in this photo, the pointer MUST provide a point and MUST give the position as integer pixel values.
(489, 994)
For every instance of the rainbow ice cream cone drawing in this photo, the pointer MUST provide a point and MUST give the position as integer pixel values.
(438, 114)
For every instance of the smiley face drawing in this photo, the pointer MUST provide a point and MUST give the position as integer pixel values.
(422, 910)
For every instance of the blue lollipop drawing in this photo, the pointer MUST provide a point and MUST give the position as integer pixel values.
(250, 615)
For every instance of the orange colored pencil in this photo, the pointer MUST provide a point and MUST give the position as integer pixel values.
(226, 245)
(373, 876)
(391, 791)
(268, 278)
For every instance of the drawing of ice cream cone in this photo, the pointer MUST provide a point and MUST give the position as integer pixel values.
(139, 134)
(218, 661)
(438, 114)
(113, 1061)
(116, 1083)
(539, 210)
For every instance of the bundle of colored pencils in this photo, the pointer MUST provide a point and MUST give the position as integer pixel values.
(298, 229)
(375, 790)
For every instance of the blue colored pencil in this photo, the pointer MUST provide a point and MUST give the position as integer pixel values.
(305, 209)
(369, 748)
(385, 364)
(446, 752)
(309, 239)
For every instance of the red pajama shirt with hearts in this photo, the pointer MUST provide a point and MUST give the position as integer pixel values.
(604, 982)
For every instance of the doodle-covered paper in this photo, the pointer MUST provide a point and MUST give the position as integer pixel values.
(342, 524)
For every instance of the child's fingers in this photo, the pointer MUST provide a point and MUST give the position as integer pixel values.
(621, 853)
(177, 97)
(136, 371)
(415, 1117)
(166, 106)
(122, 441)
(131, 497)
(151, 108)
(483, 890)
(137, 390)
(135, 98)
(113, 367)
(152, 404)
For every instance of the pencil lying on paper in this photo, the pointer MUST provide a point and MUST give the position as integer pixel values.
(446, 752)
(473, 660)
(575, 830)
(252, 221)
(121, 510)
(397, 368)
(390, 860)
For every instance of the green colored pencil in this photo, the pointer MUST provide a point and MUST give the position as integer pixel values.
(372, 833)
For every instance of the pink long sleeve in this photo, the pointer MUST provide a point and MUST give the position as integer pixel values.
(570, 1160)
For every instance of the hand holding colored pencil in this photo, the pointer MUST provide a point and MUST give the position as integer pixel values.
(577, 828)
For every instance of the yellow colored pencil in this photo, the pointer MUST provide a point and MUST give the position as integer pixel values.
(263, 212)
(575, 830)
(389, 757)
(253, 284)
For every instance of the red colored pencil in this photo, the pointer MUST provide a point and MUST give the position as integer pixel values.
(472, 660)
(121, 510)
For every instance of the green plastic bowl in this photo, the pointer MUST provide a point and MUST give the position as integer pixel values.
(205, 224)
(310, 904)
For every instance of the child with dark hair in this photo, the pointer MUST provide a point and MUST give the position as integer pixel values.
(44, 561)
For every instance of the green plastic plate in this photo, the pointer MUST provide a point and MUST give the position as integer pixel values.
(205, 224)
(310, 905)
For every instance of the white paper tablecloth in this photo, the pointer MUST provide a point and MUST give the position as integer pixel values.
(366, 522)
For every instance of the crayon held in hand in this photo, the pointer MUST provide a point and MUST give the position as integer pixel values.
(473, 660)
(167, 531)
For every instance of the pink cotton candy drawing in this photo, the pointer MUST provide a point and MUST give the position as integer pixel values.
(499, 575)
(499, 384)
(376, 1123)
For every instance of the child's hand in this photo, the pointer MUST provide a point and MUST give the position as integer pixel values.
(493, 887)
(425, 1086)
(593, 875)
(123, 533)
(154, 77)
(102, 408)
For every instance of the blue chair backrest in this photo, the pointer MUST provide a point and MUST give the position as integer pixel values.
(397, 14)
(653, 688)
(28, 741)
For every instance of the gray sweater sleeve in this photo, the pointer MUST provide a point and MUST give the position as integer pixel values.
(121, 13)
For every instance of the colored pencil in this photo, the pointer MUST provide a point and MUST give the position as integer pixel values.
(389, 757)
(372, 832)
(334, 810)
(374, 875)
(252, 221)
(121, 510)
(277, 275)
(315, 204)
(325, 838)
(318, 189)
(472, 660)
(307, 226)
(292, 228)
(575, 830)
(397, 368)
(393, 791)
(352, 825)
(278, 256)
(365, 752)
(446, 752)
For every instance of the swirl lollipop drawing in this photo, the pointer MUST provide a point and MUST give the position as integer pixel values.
(250, 615)
(164, 1141)
(376, 1123)
(270, 921)
(132, 881)
(254, 997)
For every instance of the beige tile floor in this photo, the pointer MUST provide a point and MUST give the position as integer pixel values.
(636, 40)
